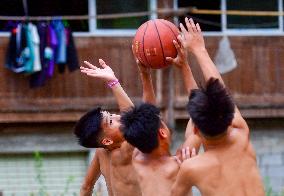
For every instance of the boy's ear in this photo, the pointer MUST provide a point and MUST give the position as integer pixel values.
(195, 130)
(163, 133)
(107, 141)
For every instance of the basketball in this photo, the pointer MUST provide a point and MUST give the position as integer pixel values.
(153, 42)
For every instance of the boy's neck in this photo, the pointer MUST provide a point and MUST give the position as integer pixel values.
(213, 143)
(161, 151)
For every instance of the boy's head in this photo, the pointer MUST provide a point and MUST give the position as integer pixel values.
(142, 127)
(211, 109)
(99, 129)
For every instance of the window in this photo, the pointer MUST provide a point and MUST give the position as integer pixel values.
(252, 22)
(5, 10)
(113, 26)
(121, 6)
(236, 24)
(46, 8)
(123, 25)
(207, 22)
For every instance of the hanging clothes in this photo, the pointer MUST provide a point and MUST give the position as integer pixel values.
(29, 51)
(15, 56)
(36, 42)
(36, 50)
(71, 55)
(52, 43)
(38, 79)
(61, 47)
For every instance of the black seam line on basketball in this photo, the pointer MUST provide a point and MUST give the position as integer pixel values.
(170, 29)
(160, 43)
(144, 46)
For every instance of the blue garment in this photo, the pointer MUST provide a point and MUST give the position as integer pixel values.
(61, 37)
(16, 55)
(29, 50)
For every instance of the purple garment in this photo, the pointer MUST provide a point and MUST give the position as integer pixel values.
(52, 42)
(61, 40)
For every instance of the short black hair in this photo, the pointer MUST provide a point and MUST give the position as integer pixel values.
(88, 129)
(140, 126)
(211, 108)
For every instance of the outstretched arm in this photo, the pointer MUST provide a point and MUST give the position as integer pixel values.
(193, 41)
(191, 140)
(93, 173)
(182, 64)
(147, 84)
(105, 73)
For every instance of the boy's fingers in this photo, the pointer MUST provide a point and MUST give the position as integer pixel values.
(183, 154)
(188, 26)
(193, 152)
(198, 27)
(176, 44)
(187, 152)
(102, 63)
(169, 59)
(192, 25)
(90, 65)
(183, 30)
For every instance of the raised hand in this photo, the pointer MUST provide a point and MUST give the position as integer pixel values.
(104, 73)
(181, 58)
(184, 153)
(191, 36)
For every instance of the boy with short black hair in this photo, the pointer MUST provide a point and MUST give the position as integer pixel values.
(228, 165)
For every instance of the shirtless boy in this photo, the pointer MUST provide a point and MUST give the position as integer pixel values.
(228, 165)
(143, 128)
(101, 130)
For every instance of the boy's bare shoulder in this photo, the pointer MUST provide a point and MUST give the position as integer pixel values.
(199, 165)
(102, 153)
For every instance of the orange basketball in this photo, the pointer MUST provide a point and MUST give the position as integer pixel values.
(153, 42)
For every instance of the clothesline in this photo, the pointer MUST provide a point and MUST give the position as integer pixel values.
(175, 12)
(179, 11)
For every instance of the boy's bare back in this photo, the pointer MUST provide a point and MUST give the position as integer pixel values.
(227, 169)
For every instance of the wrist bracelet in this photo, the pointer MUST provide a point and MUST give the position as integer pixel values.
(112, 83)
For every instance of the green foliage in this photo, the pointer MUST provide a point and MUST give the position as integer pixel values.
(268, 189)
(39, 174)
(38, 163)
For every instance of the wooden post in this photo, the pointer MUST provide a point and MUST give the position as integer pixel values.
(171, 99)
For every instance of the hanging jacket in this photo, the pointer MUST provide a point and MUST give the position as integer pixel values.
(72, 57)
(16, 56)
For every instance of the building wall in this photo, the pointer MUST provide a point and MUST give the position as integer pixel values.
(37, 158)
(257, 83)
